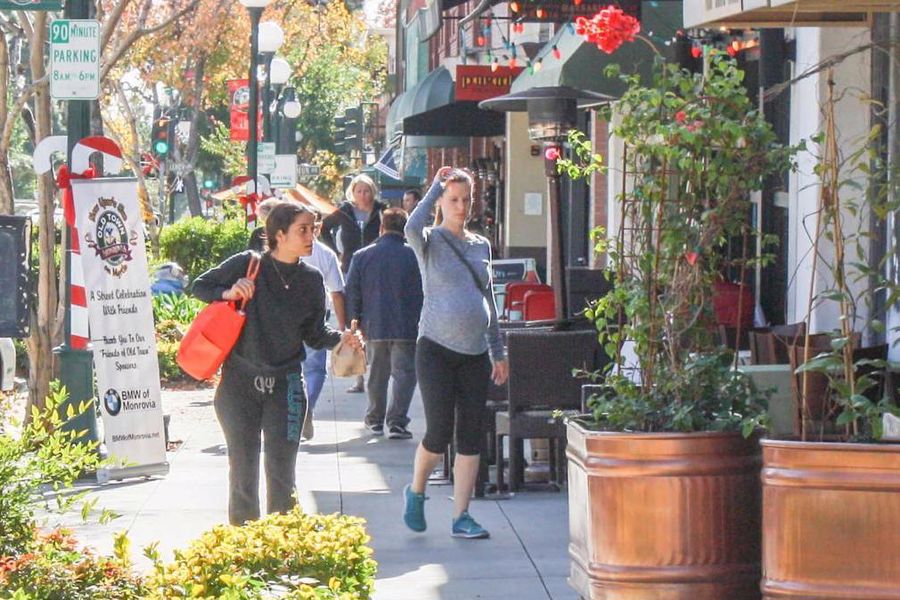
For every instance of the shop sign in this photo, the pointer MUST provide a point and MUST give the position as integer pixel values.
(545, 11)
(480, 82)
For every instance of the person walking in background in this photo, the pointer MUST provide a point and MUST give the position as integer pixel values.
(261, 390)
(257, 241)
(315, 366)
(384, 293)
(459, 348)
(356, 223)
(411, 198)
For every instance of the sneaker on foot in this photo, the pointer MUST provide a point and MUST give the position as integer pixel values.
(399, 432)
(414, 509)
(375, 428)
(465, 526)
(308, 430)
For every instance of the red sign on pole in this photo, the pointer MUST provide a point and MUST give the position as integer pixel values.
(239, 101)
(480, 82)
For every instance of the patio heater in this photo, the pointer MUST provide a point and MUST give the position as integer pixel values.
(552, 113)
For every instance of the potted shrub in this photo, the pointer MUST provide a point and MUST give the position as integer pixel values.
(831, 500)
(664, 493)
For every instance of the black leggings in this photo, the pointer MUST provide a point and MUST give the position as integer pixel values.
(450, 383)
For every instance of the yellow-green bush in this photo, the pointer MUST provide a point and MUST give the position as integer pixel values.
(166, 352)
(295, 556)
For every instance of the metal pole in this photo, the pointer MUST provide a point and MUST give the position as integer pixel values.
(75, 366)
(557, 251)
(255, 15)
(267, 98)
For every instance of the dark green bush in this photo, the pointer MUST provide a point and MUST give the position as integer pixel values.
(197, 244)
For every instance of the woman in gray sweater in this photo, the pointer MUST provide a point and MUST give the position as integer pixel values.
(459, 346)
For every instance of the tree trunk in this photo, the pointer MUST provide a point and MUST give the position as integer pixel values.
(193, 143)
(45, 322)
(7, 203)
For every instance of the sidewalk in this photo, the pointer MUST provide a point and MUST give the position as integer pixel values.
(344, 469)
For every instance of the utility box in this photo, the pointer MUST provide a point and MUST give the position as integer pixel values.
(15, 276)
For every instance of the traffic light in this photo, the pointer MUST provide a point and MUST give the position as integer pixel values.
(353, 128)
(340, 130)
(160, 140)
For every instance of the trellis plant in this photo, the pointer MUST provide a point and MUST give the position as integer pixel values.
(695, 148)
(856, 196)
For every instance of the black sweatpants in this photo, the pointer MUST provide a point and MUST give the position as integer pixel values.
(247, 405)
(454, 389)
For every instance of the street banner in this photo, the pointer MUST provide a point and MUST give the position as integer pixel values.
(117, 286)
(239, 101)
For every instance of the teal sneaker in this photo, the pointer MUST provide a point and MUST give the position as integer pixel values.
(466, 527)
(414, 509)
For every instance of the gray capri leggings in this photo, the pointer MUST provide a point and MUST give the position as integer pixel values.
(454, 388)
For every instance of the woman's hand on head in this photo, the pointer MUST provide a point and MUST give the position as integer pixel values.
(242, 289)
(500, 373)
(441, 174)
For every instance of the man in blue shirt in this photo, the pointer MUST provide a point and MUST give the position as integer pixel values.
(384, 293)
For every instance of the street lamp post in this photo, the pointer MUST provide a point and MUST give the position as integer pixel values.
(255, 8)
(277, 75)
(289, 108)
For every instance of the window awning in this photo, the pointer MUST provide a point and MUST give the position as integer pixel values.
(581, 65)
(427, 116)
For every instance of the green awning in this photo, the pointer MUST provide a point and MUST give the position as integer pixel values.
(581, 65)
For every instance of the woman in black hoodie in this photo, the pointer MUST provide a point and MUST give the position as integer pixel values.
(261, 390)
(356, 223)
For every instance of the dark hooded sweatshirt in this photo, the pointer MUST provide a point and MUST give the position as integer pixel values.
(341, 224)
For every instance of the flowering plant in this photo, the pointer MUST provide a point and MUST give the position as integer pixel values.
(608, 29)
(695, 147)
(56, 568)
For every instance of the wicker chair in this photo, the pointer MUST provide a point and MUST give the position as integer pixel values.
(540, 381)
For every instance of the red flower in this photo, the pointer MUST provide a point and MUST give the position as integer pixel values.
(608, 29)
(680, 116)
(552, 153)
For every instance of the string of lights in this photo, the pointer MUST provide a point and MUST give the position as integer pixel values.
(485, 28)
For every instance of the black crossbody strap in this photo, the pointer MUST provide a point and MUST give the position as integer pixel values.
(475, 278)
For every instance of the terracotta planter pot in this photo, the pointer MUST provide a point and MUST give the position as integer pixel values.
(831, 521)
(663, 516)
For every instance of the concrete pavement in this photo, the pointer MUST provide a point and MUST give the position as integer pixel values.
(345, 469)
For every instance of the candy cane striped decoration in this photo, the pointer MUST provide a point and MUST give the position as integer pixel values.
(81, 153)
(112, 163)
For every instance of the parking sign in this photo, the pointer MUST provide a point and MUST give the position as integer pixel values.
(75, 59)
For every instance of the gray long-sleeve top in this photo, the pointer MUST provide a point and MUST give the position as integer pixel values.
(455, 314)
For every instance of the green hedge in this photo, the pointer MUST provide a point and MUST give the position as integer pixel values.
(197, 244)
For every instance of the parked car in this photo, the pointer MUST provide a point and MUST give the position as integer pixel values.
(169, 278)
